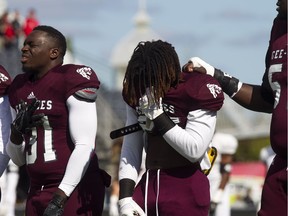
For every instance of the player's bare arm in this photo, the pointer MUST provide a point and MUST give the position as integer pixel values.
(247, 95)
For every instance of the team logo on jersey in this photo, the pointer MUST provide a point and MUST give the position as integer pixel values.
(214, 89)
(3, 78)
(85, 72)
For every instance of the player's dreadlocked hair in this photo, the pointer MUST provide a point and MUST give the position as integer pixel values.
(154, 65)
(59, 38)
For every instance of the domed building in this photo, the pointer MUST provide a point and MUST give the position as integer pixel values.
(124, 49)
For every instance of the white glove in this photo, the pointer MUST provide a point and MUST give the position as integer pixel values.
(197, 62)
(149, 107)
(217, 196)
(215, 200)
(113, 207)
(145, 123)
(128, 207)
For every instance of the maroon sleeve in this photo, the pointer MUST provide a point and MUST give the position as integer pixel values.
(5, 81)
(205, 92)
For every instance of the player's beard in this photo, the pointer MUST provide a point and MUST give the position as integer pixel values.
(27, 69)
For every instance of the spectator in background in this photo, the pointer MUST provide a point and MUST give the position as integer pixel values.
(7, 31)
(3, 21)
(17, 26)
(226, 145)
(9, 52)
(30, 22)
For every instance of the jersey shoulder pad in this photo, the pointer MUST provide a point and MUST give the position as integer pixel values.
(205, 90)
(80, 73)
(80, 80)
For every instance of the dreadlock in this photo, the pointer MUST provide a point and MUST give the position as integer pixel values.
(154, 65)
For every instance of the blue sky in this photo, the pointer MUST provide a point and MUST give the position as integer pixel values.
(231, 35)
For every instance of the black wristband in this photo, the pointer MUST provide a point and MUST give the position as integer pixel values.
(163, 123)
(228, 83)
(126, 188)
(225, 168)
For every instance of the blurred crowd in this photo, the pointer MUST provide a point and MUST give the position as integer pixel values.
(14, 27)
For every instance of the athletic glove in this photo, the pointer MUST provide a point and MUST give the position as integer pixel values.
(229, 84)
(113, 207)
(148, 105)
(199, 64)
(145, 123)
(128, 207)
(25, 120)
(156, 117)
(215, 200)
(55, 206)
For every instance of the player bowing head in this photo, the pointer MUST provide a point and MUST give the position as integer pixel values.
(153, 64)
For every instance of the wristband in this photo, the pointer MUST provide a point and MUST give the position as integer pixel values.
(59, 200)
(163, 123)
(225, 168)
(229, 84)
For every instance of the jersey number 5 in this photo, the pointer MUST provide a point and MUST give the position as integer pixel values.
(276, 68)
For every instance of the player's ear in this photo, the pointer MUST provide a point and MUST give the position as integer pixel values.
(54, 53)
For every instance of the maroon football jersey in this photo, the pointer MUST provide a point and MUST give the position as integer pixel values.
(48, 147)
(5, 81)
(196, 91)
(276, 81)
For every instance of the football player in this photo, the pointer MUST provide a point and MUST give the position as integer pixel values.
(177, 112)
(55, 128)
(270, 97)
(5, 119)
(226, 145)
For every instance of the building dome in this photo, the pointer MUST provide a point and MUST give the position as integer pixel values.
(124, 49)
